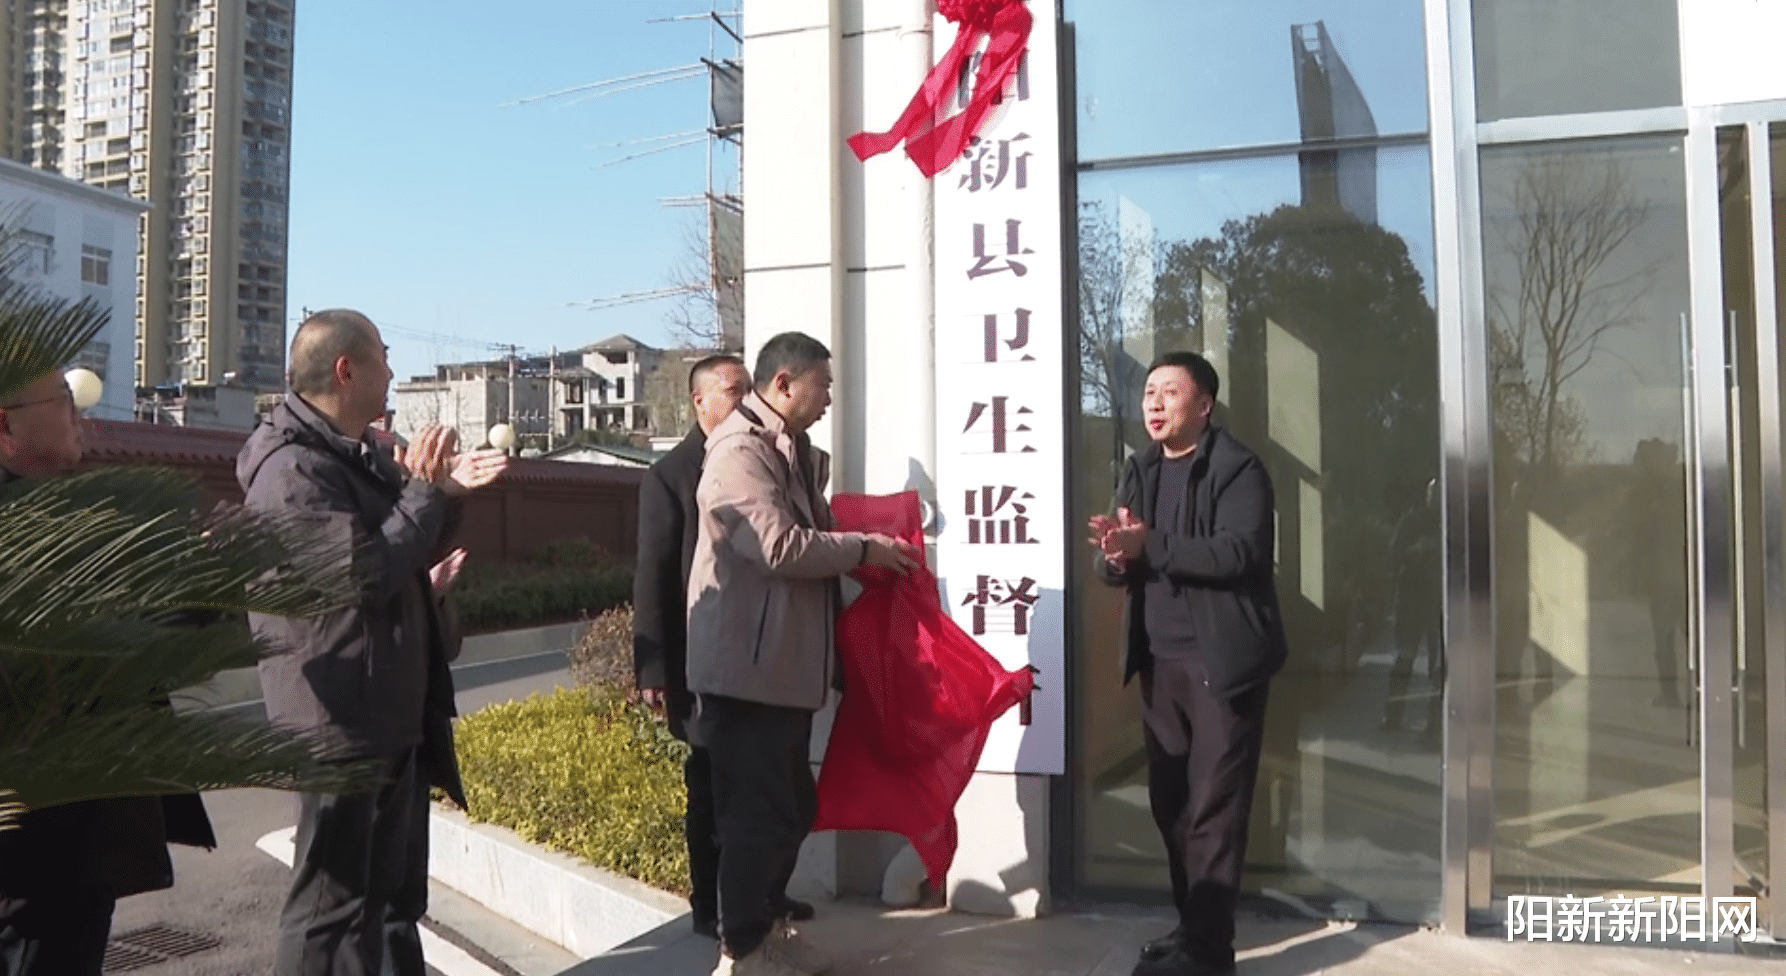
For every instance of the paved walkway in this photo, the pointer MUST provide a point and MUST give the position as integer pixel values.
(871, 941)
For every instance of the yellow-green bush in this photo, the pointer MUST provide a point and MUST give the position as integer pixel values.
(586, 773)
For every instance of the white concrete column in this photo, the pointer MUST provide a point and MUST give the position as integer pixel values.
(792, 218)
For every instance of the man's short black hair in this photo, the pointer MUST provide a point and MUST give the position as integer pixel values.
(708, 365)
(795, 352)
(1202, 373)
(321, 340)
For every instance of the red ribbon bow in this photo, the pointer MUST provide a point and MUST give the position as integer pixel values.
(933, 145)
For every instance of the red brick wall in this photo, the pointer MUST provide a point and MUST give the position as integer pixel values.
(536, 502)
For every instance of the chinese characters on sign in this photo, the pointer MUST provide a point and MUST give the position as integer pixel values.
(1000, 438)
(1003, 521)
(988, 168)
(996, 346)
(1001, 606)
(986, 264)
(996, 420)
(1543, 918)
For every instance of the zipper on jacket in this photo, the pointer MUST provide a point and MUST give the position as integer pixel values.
(756, 656)
(831, 644)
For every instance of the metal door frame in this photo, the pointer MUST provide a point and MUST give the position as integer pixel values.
(1718, 727)
(1468, 822)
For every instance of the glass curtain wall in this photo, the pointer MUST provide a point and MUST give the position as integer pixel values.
(1255, 186)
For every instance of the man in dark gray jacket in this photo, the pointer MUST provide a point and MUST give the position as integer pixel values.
(370, 680)
(1192, 543)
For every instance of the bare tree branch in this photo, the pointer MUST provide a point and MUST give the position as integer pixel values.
(1572, 218)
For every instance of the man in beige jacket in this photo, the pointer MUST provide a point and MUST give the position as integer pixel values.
(763, 600)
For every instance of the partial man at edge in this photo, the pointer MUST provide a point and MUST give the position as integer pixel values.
(64, 868)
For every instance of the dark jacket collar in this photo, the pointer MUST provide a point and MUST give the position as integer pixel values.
(296, 421)
(1153, 454)
(302, 414)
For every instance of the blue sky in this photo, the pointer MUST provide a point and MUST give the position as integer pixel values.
(418, 198)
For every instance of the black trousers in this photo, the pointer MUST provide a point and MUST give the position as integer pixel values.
(1202, 764)
(359, 880)
(703, 835)
(764, 804)
(56, 935)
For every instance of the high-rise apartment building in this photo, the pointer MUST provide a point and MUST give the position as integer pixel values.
(186, 104)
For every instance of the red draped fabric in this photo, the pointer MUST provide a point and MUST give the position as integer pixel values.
(934, 143)
(919, 697)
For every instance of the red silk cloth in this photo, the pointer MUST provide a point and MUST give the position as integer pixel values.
(919, 697)
(934, 144)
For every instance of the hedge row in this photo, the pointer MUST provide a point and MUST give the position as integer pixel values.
(505, 600)
(585, 772)
(564, 580)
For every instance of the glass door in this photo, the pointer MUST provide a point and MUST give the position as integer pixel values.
(1597, 771)
(1751, 188)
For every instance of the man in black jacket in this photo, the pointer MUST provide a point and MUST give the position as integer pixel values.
(1192, 543)
(371, 681)
(667, 530)
(64, 868)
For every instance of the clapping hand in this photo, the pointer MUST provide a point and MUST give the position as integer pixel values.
(436, 459)
(1120, 539)
(474, 470)
(426, 457)
(443, 573)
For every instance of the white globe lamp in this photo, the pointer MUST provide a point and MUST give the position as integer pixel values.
(502, 437)
(86, 386)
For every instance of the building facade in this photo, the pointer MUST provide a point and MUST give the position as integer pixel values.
(473, 397)
(186, 104)
(1494, 292)
(198, 405)
(77, 241)
(604, 386)
(608, 388)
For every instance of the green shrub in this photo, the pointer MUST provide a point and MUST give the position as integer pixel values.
(604, 657)
(571, 552)
(583, 772)
(506, 597)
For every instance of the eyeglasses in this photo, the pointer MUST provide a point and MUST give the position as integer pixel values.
(66, 396)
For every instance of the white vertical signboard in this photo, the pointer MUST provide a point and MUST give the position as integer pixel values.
(1729, 51)
(1003, 535)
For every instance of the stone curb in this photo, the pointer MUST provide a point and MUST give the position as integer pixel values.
(559, 898)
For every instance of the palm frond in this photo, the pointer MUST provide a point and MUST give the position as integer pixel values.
(40, 691)
(99, 575)
(152, 752)
(80, 554)
(39, 333)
